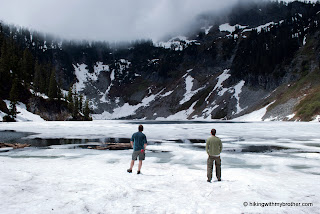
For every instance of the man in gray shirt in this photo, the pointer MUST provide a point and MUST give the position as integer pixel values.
(213, 149)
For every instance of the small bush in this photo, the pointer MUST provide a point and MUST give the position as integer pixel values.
(309, 106)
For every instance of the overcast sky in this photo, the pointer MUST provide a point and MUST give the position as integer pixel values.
(108, 20)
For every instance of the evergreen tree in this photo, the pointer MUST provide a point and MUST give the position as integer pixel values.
(86, 111)
(70, 99)
(36, 77)
(59, 92)
(14, 97)
(5, 75)
(43, 80)
(81, 103)
(27, 65)
(53, 87)
(76, 106)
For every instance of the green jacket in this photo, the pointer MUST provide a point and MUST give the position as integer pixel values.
(213, 146)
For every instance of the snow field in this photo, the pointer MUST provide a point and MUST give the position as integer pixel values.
(64, 180)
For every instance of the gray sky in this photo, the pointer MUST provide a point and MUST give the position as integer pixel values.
(105, 19)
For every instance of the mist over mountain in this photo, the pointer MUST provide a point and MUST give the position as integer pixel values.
(108, 20)
(235, 59)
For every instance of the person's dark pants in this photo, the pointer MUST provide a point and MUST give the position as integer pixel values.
(217, 161)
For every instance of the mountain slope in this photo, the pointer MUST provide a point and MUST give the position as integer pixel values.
(259, 54)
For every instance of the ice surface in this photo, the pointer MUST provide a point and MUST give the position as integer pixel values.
(173, 180)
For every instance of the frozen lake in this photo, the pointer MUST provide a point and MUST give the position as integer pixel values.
(263, 162)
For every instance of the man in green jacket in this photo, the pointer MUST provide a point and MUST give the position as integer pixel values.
(213, 148)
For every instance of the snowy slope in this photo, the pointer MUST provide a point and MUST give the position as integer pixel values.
(23, 114)
(255, 115)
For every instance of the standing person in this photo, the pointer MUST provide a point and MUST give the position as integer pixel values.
(213, 149)
(139, 143)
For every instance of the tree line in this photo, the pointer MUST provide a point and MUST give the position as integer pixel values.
(22, 75)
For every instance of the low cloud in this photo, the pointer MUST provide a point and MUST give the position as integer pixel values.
(107, 20)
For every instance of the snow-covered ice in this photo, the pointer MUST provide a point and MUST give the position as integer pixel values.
(58, 179)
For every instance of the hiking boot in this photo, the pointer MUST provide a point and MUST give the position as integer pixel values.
(138, 172)
(209, 181)
(219, 179)
(129, 170)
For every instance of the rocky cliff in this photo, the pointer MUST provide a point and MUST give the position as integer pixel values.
(258, 56)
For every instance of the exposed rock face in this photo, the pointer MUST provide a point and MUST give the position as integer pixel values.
(49, 110)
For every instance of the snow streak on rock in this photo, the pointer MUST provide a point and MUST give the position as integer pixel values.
(181, 115)
(237, 91)
(189, 85)
(221, 78)
(126, 109)
(104, 97)
(207, 29)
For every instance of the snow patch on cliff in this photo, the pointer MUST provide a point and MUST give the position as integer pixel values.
(23, 114)
(228, 28)
(83, 75)
(189, 92)
(237, 92)
(177, 43)
(255, 115)
(126, 109)
(221, 78)
(181, 115)
(105, 94)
